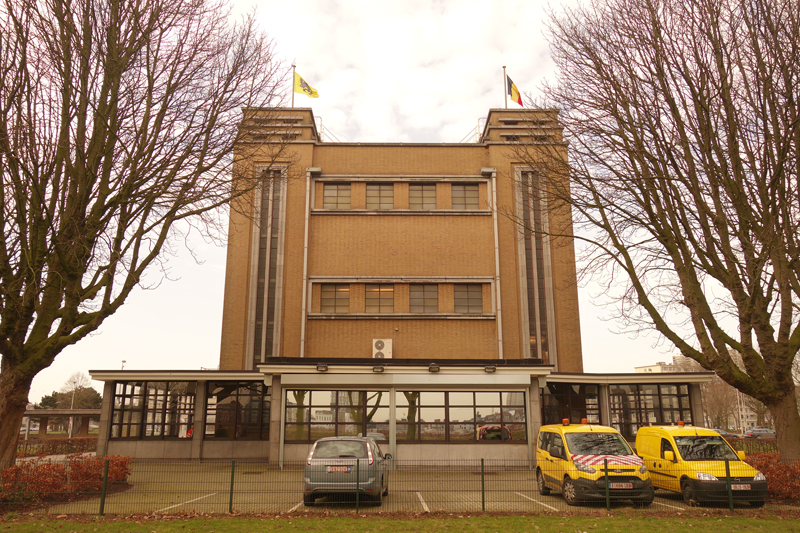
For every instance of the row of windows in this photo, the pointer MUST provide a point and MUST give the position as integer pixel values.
(423, 298)
(238, 410)
(632, 406)
(381, 196)
(428, 416)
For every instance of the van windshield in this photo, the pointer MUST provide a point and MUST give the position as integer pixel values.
(597, 444)
(695, 448)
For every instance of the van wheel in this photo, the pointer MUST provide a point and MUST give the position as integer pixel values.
(688, 493)
(646, 501)
(543, 490)
(569, 492)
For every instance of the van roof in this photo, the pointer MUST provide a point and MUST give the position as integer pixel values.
(579, 428)
(681, 431)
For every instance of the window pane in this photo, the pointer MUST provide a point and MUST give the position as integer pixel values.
(380, 196)
(336, 196)
(422, 196)
(424, 298)
(461, 398)
(462, 432)
(487, 398)
(431, 398)
(432, 432)
(468, 298)
(380, 298)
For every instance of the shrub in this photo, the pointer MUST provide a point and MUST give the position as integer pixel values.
(39, 480)
(783, 479)
(34, 447)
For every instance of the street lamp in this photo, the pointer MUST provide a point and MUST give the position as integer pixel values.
(72, 405)
(123, 364)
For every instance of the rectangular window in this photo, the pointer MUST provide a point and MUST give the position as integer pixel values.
(468, 298)
(380, 298)
(380, 196)
(153, 410)
(421, 197)
(633, 406)
(424, 298)
(461, 416)
(336, 196)
(335, 298)
(311, 415)
(572, 401)
(465, 196)
(237, 410)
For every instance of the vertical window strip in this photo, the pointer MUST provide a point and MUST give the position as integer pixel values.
(275, 228)
(535, 269)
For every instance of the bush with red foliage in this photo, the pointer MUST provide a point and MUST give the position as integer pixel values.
(40, 480)
(783, 479)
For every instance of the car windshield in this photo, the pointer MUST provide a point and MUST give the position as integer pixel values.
(597, 444)
(695, 448)
(329, 449)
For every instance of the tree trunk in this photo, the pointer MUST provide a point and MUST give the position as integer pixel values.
(13, 402)
(787, 426)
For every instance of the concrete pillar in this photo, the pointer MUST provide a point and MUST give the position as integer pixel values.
(696, 404)
(534, 409)
(43, 421)
(199, 419)
(105, 419)
(605, 405)
(275, 420)
(83, 425)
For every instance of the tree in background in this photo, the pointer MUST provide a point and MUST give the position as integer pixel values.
(683, 123)
(118, 120)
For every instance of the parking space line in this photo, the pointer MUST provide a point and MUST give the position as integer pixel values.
(293, 509)
(536, 501)
(184, 503)
(671, 506)
(424, 505)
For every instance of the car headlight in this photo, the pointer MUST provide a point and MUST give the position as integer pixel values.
(584, 468)
(760, 477)
(643, 470)
(702, 476)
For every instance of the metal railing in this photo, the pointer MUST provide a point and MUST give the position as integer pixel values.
(251, 487)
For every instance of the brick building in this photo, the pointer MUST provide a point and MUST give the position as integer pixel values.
(381, 288)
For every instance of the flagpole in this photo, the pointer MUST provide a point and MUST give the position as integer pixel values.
(293, 75)
(505, 87)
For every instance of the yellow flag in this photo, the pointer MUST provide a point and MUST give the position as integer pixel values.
(300, 86)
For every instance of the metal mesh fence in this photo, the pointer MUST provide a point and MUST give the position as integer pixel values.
(467, 486)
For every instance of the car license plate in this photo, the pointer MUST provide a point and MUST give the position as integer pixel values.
(620, 485)
(740, 487)
(332, 469)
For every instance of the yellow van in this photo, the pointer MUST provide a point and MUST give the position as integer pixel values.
(570, 459)
(691, 460)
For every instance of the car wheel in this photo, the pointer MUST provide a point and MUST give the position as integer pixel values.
(308, 500)
(688, 493)
(757, 504)
(543, 490)
(569, 492)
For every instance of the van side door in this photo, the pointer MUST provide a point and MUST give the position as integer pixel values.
(545, 461)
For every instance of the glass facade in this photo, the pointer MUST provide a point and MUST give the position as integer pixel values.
(571, 401)
(421, 416)
(237, 410)
(633, 406)
(153, 409)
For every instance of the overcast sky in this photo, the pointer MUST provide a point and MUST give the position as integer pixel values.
(397, 71)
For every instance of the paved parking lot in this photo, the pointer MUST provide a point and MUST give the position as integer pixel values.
(258, 488)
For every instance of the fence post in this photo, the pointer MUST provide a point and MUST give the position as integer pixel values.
(730, 487)
(608, 494)
(103, 489)
(233, 471)
(483, 488)
(358, 482)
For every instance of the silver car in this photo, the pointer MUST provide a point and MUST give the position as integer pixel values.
(346, 465)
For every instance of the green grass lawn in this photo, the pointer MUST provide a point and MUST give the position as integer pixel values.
(421, 524)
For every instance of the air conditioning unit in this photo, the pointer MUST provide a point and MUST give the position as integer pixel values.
(381, 348)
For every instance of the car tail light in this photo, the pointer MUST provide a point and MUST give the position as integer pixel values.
(369, 454)
(314, 447)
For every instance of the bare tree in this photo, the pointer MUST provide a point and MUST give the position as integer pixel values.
(683, 125)
(117, 125)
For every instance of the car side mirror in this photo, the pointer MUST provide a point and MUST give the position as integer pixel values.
(669, 456)
(741, 455)
(388, 457)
